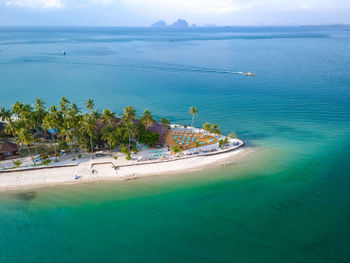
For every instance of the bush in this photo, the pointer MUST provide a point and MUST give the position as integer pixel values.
(221, 143)
(175, 149)
(79, 155)
(115, 157)
(134, 149)
(17, 163)
(62, 146)
(46, 162)
(128, 157)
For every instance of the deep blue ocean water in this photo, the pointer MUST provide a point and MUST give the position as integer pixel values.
(288, 201)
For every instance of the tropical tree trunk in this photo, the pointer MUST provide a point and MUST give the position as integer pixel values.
(92, 150)
(31, 156)
(192, 122)
(73, 151)
(110, 149)
(54, 143)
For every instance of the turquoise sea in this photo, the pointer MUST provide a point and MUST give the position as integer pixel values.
(287, 201)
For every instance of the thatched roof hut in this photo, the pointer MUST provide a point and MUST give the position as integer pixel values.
(159, 128)
(8, 149)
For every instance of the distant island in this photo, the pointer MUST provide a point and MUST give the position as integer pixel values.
(180, 23)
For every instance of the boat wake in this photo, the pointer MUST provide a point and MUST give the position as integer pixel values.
(147, 65)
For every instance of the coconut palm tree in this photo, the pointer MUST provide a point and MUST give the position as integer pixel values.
(17, 108)
(129, 114)
(193, 111)
(25, 138)
(165, 122)
(66, 133)
(39, 113)
(233, 135)
(88, 126)
(108, 117)
(11, 127)
(129, 129)
(109, 134)
(64, 106)
(147, 118)
(73, 119)
(216, 129)
(5, 115)
(51, 122)
(90, 105)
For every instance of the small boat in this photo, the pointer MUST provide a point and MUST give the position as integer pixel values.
(63, 52)
(249, 74)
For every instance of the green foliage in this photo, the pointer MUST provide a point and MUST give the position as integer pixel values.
(46, 162)
(124, 150)
(147, 118)
(165, 122)
(110, 134)
(128, 157)
(148, 138)
(17, 163)
(212, 128)
(226, 141)
(129, 114)
(233, 135)
(63, 146)
(134, 149)
(79, 155)
(221, 143)
(175, 149)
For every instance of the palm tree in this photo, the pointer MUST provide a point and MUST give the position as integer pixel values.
(216, 129)
(39, 104)
(64, 106)
(39, 113)
(89, 104)
(109, 134)
(88, 126)
(108, 117)
(5, 115)
(129, 114)
(25, 138)
(233, 135)
(147, 118)
(11, 127)
(66, 133)
(17, 108)
(130, 129)
(73, 118)
(165, 122)
(193, 111)
(51, 123)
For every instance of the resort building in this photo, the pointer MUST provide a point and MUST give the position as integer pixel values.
(8, 150)
(161, 130)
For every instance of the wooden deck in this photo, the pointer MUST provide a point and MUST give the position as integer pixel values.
(175, 138)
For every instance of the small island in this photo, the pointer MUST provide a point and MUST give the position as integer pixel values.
(180, 23)
(61, 144)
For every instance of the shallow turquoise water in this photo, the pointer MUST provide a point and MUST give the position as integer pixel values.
(286, 202)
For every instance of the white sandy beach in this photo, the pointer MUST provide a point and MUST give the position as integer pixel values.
(16, 180)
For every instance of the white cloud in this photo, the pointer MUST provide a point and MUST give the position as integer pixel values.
(44, 4)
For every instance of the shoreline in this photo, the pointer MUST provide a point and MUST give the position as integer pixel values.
(105, 171)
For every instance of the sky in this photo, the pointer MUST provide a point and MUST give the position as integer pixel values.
(146, 12)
